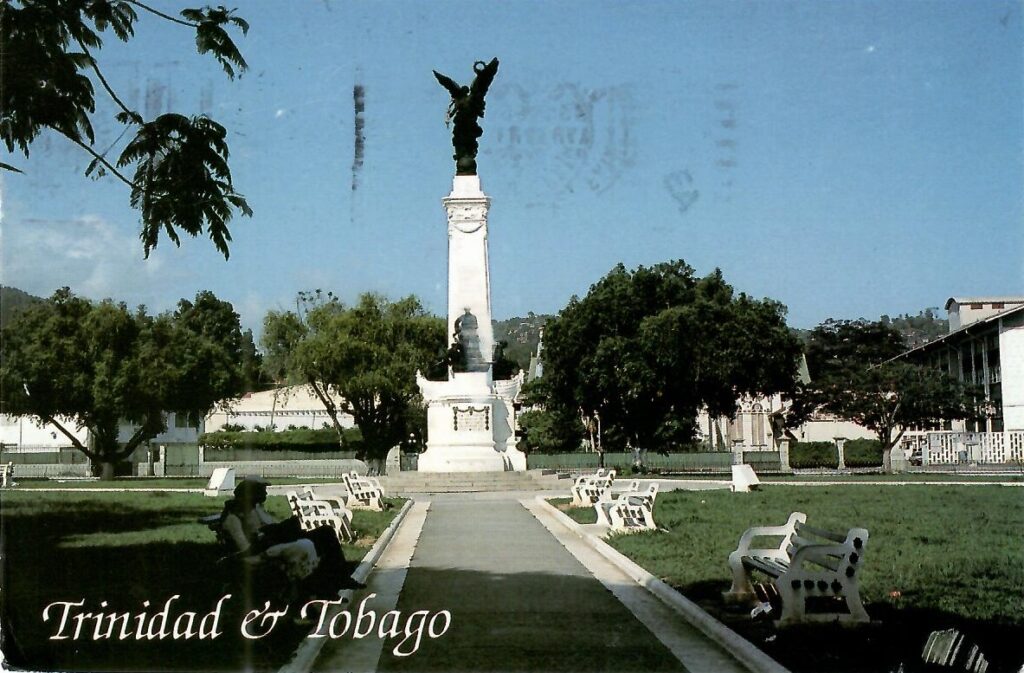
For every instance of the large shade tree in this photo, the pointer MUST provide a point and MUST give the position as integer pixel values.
(359, 360)
(645, 350)
(175, 166)
(856, 375)
(78, 365)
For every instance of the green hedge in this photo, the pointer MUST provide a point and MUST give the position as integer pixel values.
(59, 456)
(762, 460)
(255, 455)
(863, 453)
(813, 454)
(719, 461)
(304, 440)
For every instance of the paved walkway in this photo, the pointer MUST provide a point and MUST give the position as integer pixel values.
(518, 598)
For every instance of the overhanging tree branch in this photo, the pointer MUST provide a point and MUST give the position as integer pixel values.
(106, 85)
(101, 159)
(67, 433)
(161, 14)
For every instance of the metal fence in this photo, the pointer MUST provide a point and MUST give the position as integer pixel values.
(952, 448)
(718, 461)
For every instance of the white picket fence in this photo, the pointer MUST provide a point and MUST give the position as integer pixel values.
(951, 448)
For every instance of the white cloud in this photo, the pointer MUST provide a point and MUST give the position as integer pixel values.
(280, 113)
(88, 254)
(870, 49)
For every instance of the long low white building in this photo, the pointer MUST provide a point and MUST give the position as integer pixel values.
(280, 408)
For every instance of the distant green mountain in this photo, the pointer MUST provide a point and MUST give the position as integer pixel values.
(12, 302)
(919, 329)
(916, 330)
(521, 335)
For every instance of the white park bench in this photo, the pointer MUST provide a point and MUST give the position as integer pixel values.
(314, 512)
(588, 488)
(809, 563)
(363, 492)
(629, 511)
(7, 475)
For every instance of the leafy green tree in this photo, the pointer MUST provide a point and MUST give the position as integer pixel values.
(48, 74)
(543, 429)
(70, 362)
(855, 375)
(836, 347)
(546, 431)
(366, 356)
(252, 364)
(645, 350)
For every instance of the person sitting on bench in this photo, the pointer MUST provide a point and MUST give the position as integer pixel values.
(313, 558)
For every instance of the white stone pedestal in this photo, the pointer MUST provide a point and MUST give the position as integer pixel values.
(470, 417)
(470, 424)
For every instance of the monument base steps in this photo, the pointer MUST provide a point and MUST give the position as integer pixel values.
(470, 482)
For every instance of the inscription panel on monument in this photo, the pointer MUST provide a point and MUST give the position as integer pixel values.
(471, 419)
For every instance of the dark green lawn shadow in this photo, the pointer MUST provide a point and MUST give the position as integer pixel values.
(896, 636)
(124, 578)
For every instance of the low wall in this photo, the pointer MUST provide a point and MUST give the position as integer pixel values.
(277, 468)
(27, 470)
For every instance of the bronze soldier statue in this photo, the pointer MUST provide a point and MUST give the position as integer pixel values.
(466, 107)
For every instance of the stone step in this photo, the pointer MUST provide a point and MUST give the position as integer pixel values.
(464, 482)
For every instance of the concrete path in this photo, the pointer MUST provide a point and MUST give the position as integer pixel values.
(518, 600)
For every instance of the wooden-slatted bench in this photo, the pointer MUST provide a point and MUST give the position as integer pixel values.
(363, 492)
(628, 512)
(588, 488)
(811, 568)
(314, 512)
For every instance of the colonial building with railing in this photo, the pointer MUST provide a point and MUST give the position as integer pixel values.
(984, 348)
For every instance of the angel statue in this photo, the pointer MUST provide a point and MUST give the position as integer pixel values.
(466, 106)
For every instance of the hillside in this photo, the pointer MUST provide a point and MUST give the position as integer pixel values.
(521, 335)
(12, 301)
(918, 329)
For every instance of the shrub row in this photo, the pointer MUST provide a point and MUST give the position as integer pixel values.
(856, 453)
(863, 453)
(323, 440)
(803, 455)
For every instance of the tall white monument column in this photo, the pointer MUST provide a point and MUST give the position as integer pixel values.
(470, 417)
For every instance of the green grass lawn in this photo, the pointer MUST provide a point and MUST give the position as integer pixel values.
(938, 557)
(126, 548)
(1009, 477)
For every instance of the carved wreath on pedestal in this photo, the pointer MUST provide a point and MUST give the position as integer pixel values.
(467, 219)
(470, 411)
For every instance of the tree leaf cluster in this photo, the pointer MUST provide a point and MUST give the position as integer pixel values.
(366, 356)
(100, 364)
(181, 181)
(856, 375)
(647, 349)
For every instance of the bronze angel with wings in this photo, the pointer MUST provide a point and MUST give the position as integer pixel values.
(466, 107)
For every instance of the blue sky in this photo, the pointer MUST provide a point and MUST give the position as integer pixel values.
(847, 159)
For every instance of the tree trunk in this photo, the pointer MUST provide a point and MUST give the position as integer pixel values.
(107, 471)
(885, 438)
